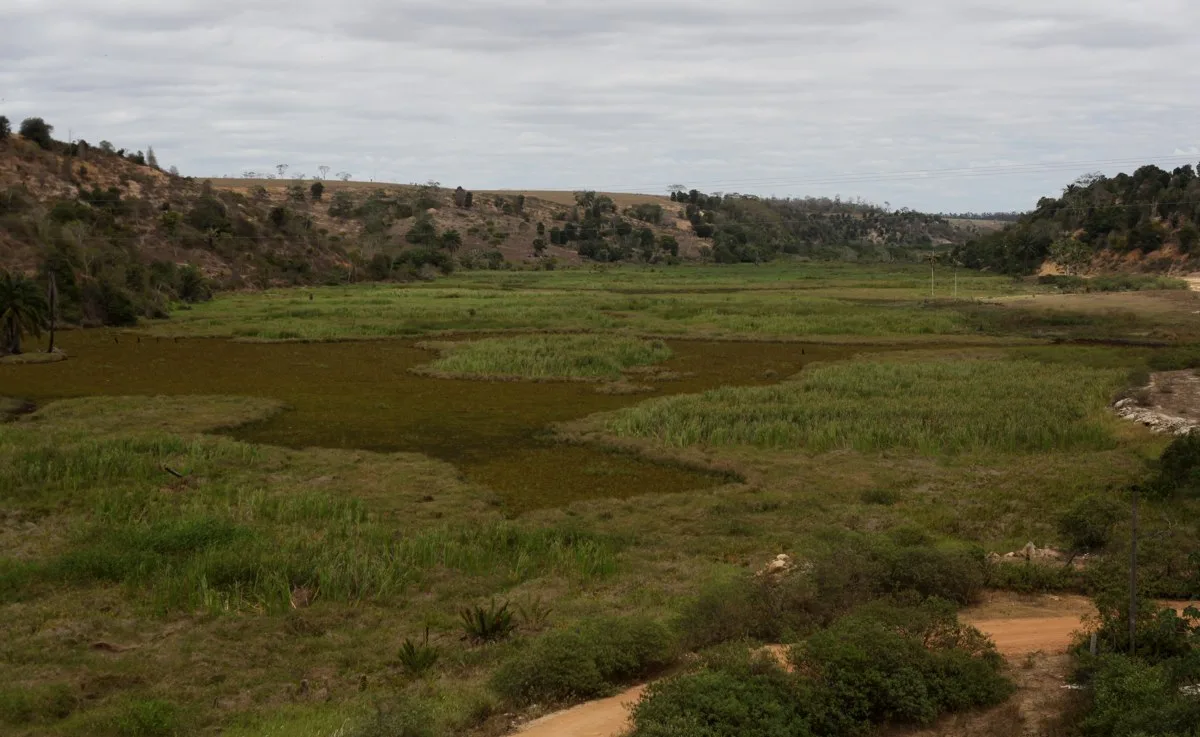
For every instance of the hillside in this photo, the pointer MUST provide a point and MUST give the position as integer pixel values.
(124, 238)
(1145, 221)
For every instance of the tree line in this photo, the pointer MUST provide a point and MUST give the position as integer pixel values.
(1145, 211)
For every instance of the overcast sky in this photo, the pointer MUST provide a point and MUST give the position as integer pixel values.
(800, 97)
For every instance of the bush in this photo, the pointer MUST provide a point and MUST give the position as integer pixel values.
(38, 131)
(318, 191)
(750, 698)
(1033, 578)
(487, 624)
(5, 128)
(1179, 467)
(745, 608)
(901, 664)
(417, 658)
(1131, 697)
(881, 664)
(586, 661)
(404, 718)
(1088, 524)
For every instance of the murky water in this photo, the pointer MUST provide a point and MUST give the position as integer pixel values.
(361, 395)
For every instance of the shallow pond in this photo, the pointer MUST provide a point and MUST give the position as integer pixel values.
(361, 395)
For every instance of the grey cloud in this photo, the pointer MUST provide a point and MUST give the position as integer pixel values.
(757, 96)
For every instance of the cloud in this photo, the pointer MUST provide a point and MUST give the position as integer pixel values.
(767, 96)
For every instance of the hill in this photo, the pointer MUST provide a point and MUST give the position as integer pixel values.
(125, 239)
(1145, 221)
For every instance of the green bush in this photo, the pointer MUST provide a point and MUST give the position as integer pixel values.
(487, 624)
(849, 571)
(1179, 467)
(586, 661)
(881, 664)
(901, 664)
(1088, 524)
(1028, 577)
(1131, 698)
(146, 718)
(744, 697)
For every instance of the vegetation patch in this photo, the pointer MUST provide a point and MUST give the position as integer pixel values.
(586, 357)
(929, 407)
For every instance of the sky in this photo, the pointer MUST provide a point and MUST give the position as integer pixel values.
(943, 105)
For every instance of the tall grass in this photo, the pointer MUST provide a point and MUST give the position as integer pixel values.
(930, 407)
(548, 356)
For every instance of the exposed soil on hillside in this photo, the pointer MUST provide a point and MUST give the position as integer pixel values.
(1170, 403)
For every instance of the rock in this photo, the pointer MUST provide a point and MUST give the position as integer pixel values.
(779, 567)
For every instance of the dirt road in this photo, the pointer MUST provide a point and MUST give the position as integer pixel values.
(1018, 625)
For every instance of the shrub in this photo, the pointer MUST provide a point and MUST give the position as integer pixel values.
(488, 624)
(901, 664)
(1179, 467)
(586, 661)
(882, 497)
(404, 718)
(418, 658)
(38, 131)
(146, 718)
(341, 205)
(752, 698)
(1087, 525)
(745, 608)
(1131, 697)
(1028, 577)
(5, 128)
(318, 191)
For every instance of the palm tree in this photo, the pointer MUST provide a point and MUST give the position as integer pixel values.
(22, 310)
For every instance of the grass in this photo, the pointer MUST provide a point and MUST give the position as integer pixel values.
(934, 407)
(32, 359)
(268, 585)
(585, 357)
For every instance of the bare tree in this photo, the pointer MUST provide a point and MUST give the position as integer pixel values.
(344, 176)
(324, 171)
(282, 169)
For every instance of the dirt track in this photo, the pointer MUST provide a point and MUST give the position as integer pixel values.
(1018, 626)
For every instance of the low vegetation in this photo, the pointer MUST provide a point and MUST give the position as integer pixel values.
(167, 568)
(930, 407)
(546, 357)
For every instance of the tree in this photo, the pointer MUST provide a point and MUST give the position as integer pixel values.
(344, 176)
(5, 128)
(282, 169)
(470, 200)
(38, 131)
(151, 159)
(317, 190)
(173, 171)
(22, 310)
(451, 240)
(107, 147)
(324, 171)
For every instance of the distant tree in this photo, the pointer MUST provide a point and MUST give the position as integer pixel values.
(151, 159)
(317, 189)
(669, 244)
(556, 237)
(281, 169)
(470, 200)
(324, 171)
(451, 240)
(5, 128)
(38, 131)
(423, 231)
(460, 197)
(541, 229)
(343, 175)
(342, 204)
(173, 171)
(107, 147)
(138, 158)
(539, 246)
(23, 310)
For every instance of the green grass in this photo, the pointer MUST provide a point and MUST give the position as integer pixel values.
(930, 407)
(546, 357)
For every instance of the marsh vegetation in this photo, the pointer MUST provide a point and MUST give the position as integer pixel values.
(204, 529)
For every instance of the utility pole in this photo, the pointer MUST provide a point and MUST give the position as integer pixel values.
(1133, 576)
(932, 262)
(52, 298)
